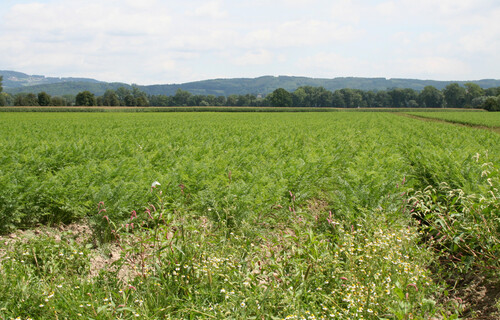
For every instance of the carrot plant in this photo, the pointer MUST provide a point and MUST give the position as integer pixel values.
(234, 215)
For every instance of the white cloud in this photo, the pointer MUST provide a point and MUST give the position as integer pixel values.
(299, 33)
(211, 9)
(260, 57)
(158, 41)
(434, 67)
(331, 65)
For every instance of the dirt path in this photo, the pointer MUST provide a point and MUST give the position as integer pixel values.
(494, 129)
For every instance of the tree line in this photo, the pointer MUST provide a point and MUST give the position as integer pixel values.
(453, 95)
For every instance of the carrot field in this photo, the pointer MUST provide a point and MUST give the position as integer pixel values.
(335, 215)
(489, 119)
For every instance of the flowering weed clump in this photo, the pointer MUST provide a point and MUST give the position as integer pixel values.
(178, 265)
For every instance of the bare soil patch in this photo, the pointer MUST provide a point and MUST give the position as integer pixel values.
(477, 294)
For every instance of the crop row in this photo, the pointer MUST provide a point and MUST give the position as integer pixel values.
(490, 119)
(243, 215)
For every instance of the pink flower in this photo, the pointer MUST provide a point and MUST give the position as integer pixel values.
(133, 215)
(413, 285)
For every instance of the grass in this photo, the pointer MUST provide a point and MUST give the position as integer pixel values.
(247, 215)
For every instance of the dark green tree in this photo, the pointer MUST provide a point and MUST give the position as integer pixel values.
(85, 98)
(490, 92)
(338, 99)
(220, 101)
(181, 97)
(58, 101)
(141, 99)
(352, 97)
(431, 97)
(231, 100)
(299, 97)
(25, 100)
(281, 98)
(130, 101)
(369, 99)
(3, 101)
(401, 97)
(323, 97)
(472, 91)
(110, 98)
(491, 104)
(43, 99)
(454, 95)
(122, 92)
(382, 99)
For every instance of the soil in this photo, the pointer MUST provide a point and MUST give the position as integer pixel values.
(477, 295)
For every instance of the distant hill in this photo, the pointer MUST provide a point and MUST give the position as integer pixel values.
(13, 79)
(16, 82)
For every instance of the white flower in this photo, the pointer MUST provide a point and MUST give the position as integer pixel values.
(154, 184)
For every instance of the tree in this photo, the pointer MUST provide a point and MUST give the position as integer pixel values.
(352, 97)
(323, 97)
(110, 99)
(382, 99)
(130, 101)
(472, 91)
(43, 99)
(454, 95)
(1, 88)
(85, 98)
(141, 99)
(281, 98)
(338, 99)
(298, 97)
(492, 104)
(231, 100)
(431, 97)
(122, 92)
(25, 100)
(58, 101)
(181, 97)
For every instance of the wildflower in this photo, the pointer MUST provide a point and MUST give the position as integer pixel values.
(242, 304)
(154, 185)
(133, 215)
(413, 285)
(41, 305)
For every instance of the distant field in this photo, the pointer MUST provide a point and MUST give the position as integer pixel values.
(487, 119)
(223, 109)
(242, 215)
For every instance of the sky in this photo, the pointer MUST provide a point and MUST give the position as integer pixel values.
(160, 42)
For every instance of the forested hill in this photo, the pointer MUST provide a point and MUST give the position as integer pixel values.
(16, 82)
